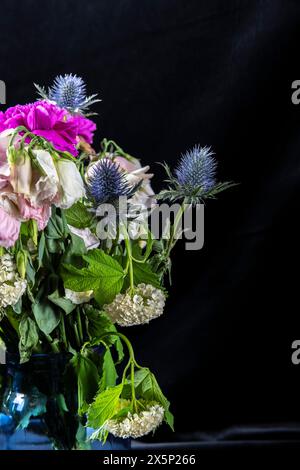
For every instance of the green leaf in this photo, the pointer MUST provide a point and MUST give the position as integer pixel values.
(41, 250)
(104, 276)
(147, 387)
(65, 304)
(104, 407)
(98, 324)
(29, 338)
(46, 317)
(78, 216)
(87, 380)
(74, 252)
(30, 271)
(62, 403)
(142, 273)
(109, 374)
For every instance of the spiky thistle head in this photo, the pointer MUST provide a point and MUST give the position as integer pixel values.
(194, 179)
(197, 169)
(69, 92)
(106, 182)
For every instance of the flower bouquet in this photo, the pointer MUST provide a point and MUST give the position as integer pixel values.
(78, 259)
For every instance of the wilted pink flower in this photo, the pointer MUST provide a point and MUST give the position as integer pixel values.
(40, 214)
(9, 222)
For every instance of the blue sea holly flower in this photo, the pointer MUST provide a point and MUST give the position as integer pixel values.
(106, 182)
(197, 169)
(69, 92)
(194, 179)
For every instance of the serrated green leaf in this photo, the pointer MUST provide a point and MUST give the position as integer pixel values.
(103, 275)
(142, 273)
(148, 388)
(104, 407)
(87, 380)
(109, 374)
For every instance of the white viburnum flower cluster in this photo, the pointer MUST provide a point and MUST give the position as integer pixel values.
(137, 424)
(146, 303)
(12, 286)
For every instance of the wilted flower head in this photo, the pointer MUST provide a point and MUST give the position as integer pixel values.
(136, 425)
(197, 169)
(146, 303)
(12, 286)
(105, 182)
(69, 92)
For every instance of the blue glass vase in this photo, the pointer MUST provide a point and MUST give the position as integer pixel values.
(38, 408)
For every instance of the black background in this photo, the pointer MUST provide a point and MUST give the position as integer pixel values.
(173, 73)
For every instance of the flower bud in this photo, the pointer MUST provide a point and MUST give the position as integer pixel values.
(21, 263)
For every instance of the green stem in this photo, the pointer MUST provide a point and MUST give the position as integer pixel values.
(129, 259)
(63, 332)
(79, 323)
(173, 238)
(54, 346)
(77, 335)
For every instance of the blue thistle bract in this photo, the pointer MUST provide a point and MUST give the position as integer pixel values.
(106, 182)
(197, 169)
(68, 91)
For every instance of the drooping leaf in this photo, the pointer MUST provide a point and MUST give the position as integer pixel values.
(65, 304)
(98, 324)
(87, 380)
(104, 407)
(45, 315)
(29, 338)
(148, 388)
(109, 374)
(142, 273)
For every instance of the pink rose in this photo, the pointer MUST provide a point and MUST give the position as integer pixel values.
(40, 214)
(9, 227)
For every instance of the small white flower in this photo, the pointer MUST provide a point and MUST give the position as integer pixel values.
(12, 286)
(137, 424)
(78, 297)
(147, 303)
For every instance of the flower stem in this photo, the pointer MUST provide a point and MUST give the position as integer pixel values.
(77, 334)
(177, 220)
(79, 323)
(129, 258)
(63, 332)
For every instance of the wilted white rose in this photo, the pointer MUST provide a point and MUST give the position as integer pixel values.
(47, 185)
(21, 172)
(71, 183)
